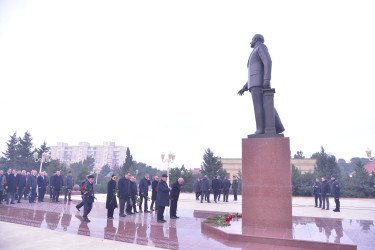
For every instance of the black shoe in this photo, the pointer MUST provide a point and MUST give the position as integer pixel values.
(161, 221)
(208, 201)
(129, 213)
(110, 218)
(201, 201)
(86, 219)
(323, 208)
(173, 217)
(122, 215)
(336, 210)
(136, 212)
(146, 211)
(12, 202)
(70, 200)
(19, 202)
(78, 209)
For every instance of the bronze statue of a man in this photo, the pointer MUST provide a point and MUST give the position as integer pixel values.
(259, 68)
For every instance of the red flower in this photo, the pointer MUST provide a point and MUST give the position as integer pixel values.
(18, 187)
(84, 185)
(156, 189)
(116, 186)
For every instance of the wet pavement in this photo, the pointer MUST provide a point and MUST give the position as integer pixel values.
(184, 233)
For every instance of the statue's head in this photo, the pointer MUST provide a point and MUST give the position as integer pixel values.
(256, 38)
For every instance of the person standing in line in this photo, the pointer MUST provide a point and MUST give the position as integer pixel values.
(174, 195)
(235, 187)
(154, 186)
(82, 203)
(205, 189)
(336, 192)
(197, 188)
(69, 186)
(123, 192)
(134, 195)
(11, 187)
(143, 192)
(215, 185)
(325, 192)
(31, 185)
(221, 188)
(162, 199)
(41, 187)
(111, 202)
(3, 180)
(226, 187)
(17, 176)
(51, 193)
(88, 197)
(57, 185)
(317, 192)
(46, 180)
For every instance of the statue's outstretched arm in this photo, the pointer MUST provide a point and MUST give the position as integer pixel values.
(244, 88)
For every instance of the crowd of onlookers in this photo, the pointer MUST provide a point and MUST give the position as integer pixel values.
(218, 186)
(17, 184)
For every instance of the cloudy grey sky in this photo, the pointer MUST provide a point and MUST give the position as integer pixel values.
(163, 75)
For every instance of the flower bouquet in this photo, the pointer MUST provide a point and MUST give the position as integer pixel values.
(138, 201)
(115, 191)
(131, 202)
(224, 220)
(28, 194)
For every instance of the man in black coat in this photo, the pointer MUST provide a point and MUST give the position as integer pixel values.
(21, 185)
(325, 192)
(205, 189)
(317, 192)
(51, 196)
(11, 187)
(235, 187)
(88, 198)
(336, 192)
(134, 194)
(226, 186)
(17, 176)
(215, 185)
(57, 185)
(31, 186)
(41, 187)
(69, 181)
(221, 188)
(175, 193)
(198, 188)
(143, 192)
(154, 187)
(162, 199)
(123, 192)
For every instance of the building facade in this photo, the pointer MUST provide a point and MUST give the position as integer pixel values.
(234, 165)
(108, 153)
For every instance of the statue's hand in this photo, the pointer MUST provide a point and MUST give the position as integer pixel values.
(266, 84)
(240, 93)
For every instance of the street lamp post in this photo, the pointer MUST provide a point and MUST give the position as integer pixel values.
(368, 152)
(170, 159)
(45, 158)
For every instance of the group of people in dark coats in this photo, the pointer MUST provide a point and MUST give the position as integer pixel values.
(162, 196)
(323, 190)
(218, 186)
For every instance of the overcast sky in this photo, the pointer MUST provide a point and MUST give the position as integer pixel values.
(164, 75)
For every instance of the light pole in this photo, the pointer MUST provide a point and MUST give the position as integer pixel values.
(170, 159)
(45, 158)
(368, 152)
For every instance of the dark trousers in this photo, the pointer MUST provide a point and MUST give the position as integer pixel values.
(145, 198)
(205, 194)
(122, 205)
(235, 194)
(11, 197)
(173, 209)
(197, 194)
(87, 206)
(325, 199)
(134, 207)
(41, 194)
(318, 197)
(129, 207)
(50, 193)
(337, 201)
(161, 212)
(110, 212)
(33, 194)
(68, 194)
(226, 194)
(80, 205)
(56, 194)
(20, 194)
(216, 194)
(152, 204)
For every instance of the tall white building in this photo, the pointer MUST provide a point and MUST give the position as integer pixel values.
(108, 153)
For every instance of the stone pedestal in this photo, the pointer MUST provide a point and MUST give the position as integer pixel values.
(266, 183)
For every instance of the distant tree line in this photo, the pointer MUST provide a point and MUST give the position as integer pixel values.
(360, 185)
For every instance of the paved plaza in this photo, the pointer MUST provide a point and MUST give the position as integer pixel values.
(60, 226)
